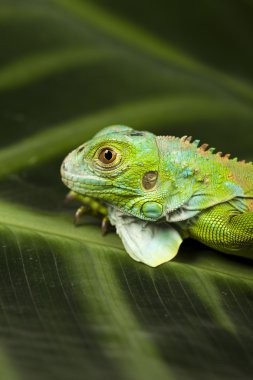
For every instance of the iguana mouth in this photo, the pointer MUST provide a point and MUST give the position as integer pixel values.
(83, 182)
(89, 183)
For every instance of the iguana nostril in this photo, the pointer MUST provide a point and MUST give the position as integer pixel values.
(81, 148)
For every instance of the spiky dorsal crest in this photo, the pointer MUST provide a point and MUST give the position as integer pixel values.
(203, 147)
(187, 140)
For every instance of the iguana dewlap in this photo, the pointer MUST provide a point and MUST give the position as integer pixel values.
(161, 189)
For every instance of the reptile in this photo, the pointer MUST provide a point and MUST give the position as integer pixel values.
(159, 190)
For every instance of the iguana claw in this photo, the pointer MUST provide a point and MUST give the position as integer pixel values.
(70, 197)
(105, 225)
(90, 206)
(79, 212)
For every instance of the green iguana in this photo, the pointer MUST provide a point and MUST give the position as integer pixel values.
(159, 190)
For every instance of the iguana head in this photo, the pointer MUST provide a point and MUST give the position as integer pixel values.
(119, 166)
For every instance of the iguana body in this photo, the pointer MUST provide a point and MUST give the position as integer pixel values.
(160, 190)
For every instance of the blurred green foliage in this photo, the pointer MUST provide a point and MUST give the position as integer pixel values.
(73, 304)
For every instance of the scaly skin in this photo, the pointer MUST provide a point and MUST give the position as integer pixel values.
(163, 189)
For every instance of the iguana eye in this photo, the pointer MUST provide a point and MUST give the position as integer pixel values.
(107, 155)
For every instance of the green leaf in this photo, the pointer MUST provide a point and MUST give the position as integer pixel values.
(73, 303)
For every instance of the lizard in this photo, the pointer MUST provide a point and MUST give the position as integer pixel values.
(159, 190)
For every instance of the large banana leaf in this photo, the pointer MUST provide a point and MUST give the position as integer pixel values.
(73, 304)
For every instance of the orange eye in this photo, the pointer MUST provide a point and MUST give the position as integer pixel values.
(107, 156)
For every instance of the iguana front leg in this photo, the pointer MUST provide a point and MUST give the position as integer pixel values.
(225, 229)
(90, 206)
